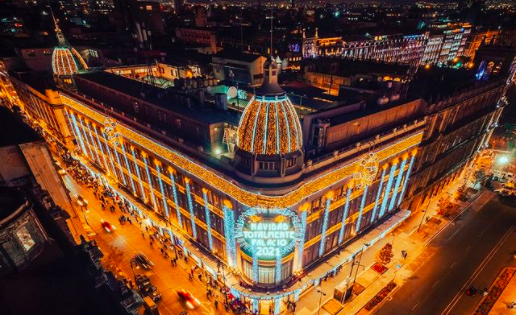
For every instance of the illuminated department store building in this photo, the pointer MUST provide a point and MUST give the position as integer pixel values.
(269, 195)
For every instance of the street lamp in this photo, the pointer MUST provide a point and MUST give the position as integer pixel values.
(320, 298)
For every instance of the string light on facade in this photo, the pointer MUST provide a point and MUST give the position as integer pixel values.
(407, 177)
(174, 195)
(190, 207)
(345, 215)
(378, 194)
(135, 161)
(388, 189)
(149, 182)
(325, 225)
(397, 184)
(127, 167)
(161, 189)
(208, 217)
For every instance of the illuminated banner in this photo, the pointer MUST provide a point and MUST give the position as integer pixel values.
(268, 233)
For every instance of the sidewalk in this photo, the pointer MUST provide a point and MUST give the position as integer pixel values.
(406, 237)
(508, 296)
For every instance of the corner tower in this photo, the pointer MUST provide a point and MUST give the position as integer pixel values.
(269, 138)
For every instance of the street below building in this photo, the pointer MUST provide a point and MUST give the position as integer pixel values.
(471, 251)
(121, 245)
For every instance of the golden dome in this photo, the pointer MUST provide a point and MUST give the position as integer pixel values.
(269, 126)
(66, 61)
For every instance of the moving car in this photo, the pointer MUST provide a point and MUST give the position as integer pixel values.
(190, 301)
(107, 226)
(81, 201)
(143, 260)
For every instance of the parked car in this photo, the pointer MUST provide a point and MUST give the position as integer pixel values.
(143, 260)
(190, 301)
(146, 288)
(505, 192)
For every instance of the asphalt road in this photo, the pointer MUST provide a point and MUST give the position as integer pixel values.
(472, 250)
(126, 240)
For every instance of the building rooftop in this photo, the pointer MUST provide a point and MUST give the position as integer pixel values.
(13, 131)
(149, 93)
(10, 200)
(235, 55)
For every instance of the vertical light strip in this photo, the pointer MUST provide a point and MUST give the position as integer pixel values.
(151, 189)
(137, 167)
(277, 304)
(115, 148)
(78, 134)
(128, 167)
(397, 184)
(301, 245)
(255, 266)
(254, 126)
(162, 190)
(344, 216)
(266, 129)
(378, 194)
(406, 179)
(287, 124)
(190, 207)
(278, 268)
(229, 234)
(82, 130)
(324, 226)
(99, 161)
(277, 129)
(208, 217)
(174, 194)
(110, 156)
(108, 171)
(387, 189)
(361, 211)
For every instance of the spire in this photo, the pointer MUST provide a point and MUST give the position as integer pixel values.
(61, 41)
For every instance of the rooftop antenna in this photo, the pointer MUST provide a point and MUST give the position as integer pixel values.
(272, 24)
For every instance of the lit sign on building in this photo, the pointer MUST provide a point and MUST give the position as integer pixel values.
(268, 233)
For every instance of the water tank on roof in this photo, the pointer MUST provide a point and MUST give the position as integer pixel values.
(221, 101)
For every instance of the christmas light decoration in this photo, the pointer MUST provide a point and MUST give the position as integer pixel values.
(151, 190)
(115, 149)
(269, 125)
(110, 156)
(407, 178)
(362, 204)
(106, 167)
(229, 234)
(162, 190)
(174, 194)
(82, 132)
(190, 207)
(345, 215)
(301, 245)
(397, 184)
(243, 196)
(135, 162)
(255, 266)
(378, 194)
(66, 61)
(92, 141)
(324, 226)
(278, 268)
(208, 217)
(388, 189)
(127, 167)
(78, 133)
(264, 216)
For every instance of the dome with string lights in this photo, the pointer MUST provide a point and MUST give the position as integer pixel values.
(66, 61)
(269, 125)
